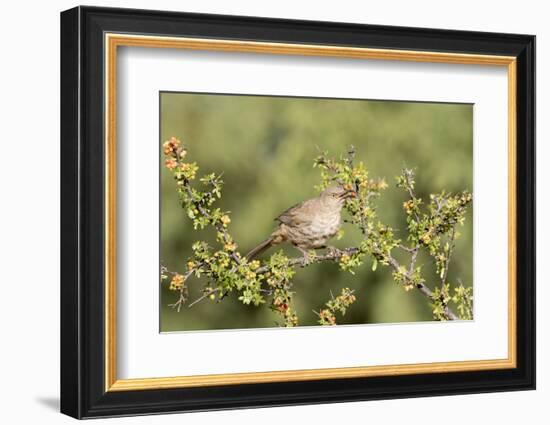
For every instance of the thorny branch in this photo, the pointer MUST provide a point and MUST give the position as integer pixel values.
(271, 278)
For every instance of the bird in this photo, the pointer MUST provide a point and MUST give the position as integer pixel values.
(308, 224)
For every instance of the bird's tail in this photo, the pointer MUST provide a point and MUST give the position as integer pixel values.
(260, 248)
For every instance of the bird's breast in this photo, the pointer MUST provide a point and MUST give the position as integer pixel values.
(326, 224)
(315, 233)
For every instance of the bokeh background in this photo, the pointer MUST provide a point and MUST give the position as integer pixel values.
(265, 148)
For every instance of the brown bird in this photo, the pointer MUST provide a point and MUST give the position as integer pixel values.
(309, 224)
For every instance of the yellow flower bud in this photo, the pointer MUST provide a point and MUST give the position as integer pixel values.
(230, 246)
(176, 283)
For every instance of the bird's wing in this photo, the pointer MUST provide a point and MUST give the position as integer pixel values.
(295, 214)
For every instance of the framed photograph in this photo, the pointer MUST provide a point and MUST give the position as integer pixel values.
(261, 212)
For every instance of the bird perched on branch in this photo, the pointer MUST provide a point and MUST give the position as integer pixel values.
(309, 224)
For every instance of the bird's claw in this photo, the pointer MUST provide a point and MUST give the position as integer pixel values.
(333, 251)
(306, 257)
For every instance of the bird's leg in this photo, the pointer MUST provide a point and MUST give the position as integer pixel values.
(305, 253)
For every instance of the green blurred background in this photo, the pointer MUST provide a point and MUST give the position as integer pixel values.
(265, 148)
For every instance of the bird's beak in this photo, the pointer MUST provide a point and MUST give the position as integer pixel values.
(348, 194)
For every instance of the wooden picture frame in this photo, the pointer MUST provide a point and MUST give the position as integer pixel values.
(90, 39)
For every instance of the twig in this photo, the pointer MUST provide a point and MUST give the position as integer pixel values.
(220, 228)
(164, 270)
(406, 248)
(183, 291)
(202, 297)
(333, 255)
(410, 190)
(421, 287)
(413, 260)
(448, 259)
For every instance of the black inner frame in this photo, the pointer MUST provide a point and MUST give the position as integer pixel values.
(82, 212)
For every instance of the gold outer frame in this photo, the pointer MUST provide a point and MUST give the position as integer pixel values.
(113, 41)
